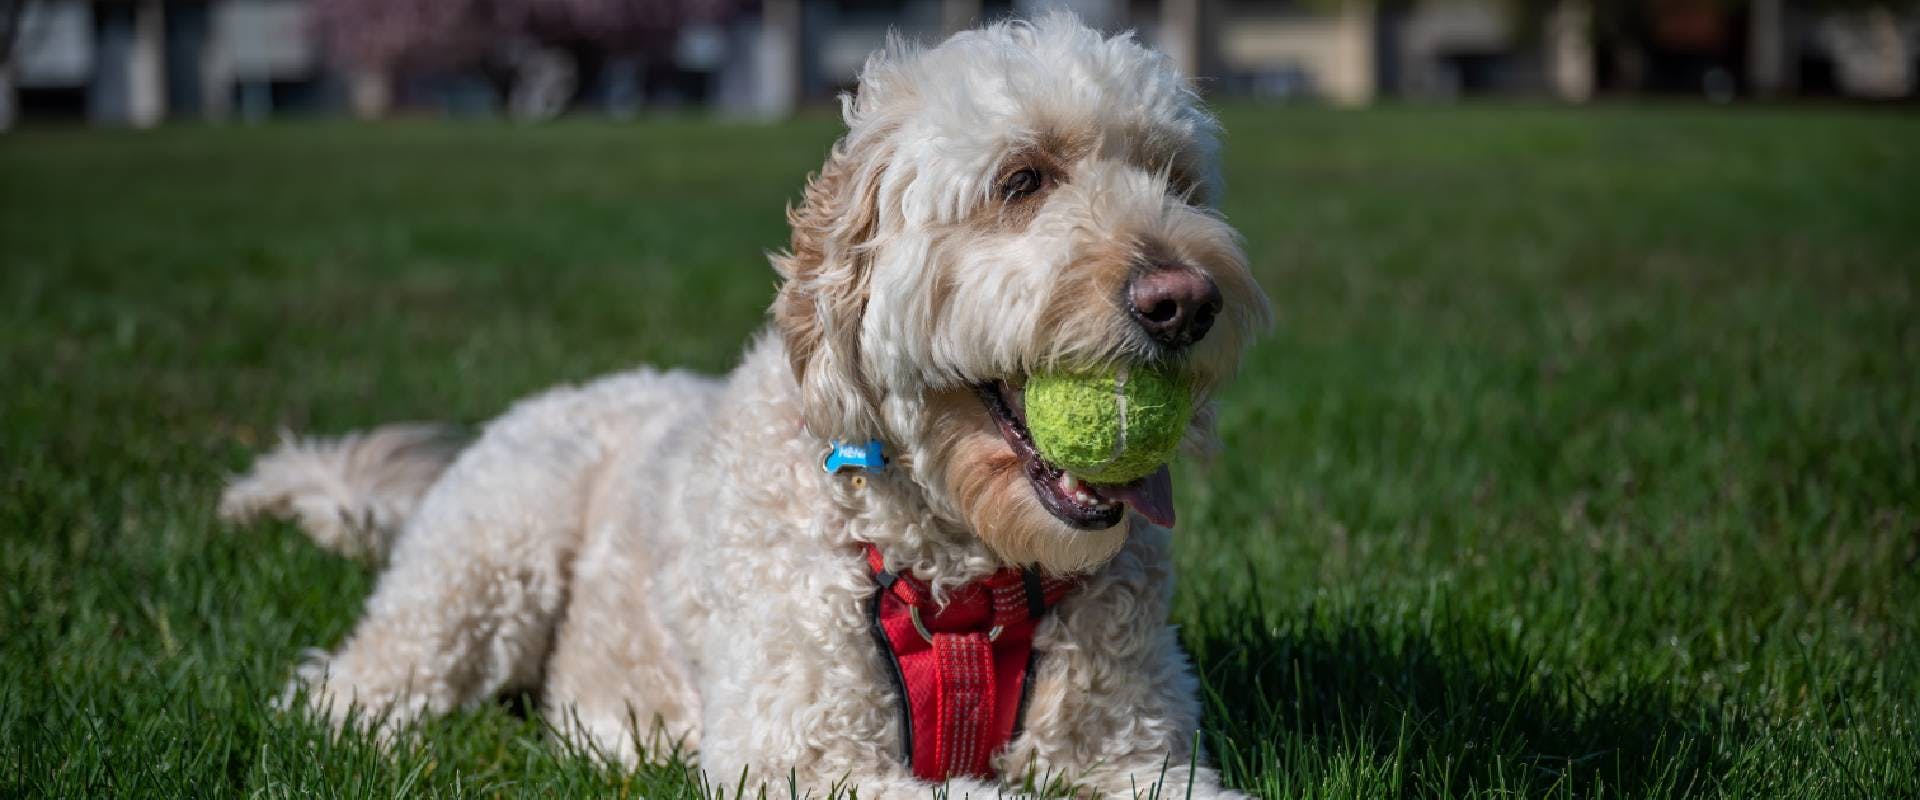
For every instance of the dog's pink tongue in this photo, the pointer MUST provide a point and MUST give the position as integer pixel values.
(1152, 496)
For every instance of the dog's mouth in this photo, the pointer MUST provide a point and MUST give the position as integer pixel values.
(1077, 503)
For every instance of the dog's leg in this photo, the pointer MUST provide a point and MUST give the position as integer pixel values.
(617, 683)
(467, 606)
(1115, 705)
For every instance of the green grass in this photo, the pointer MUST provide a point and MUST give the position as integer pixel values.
(1584, 461)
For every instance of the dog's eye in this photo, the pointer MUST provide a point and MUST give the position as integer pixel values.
(1021, 184)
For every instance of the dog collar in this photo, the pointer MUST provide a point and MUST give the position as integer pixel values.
(841, 456)
(962, 669)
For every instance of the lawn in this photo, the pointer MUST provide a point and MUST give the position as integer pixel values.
(1584, 459)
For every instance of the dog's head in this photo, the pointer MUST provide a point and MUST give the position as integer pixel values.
(1023, 198)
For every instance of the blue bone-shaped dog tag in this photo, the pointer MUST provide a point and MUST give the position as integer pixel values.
(855, 456)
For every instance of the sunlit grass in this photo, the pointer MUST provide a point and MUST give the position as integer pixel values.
(1584, 461)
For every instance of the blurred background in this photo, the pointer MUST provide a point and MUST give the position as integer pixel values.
(141, 62)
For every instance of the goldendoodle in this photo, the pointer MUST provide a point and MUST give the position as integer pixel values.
(845, 563)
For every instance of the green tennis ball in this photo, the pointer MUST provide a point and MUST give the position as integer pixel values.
(1111, 427)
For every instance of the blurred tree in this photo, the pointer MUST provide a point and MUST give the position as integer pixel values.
(1748, 38)
(613, 26)
(558, 39)
(530, 49)
(376, 40)
(404, 34)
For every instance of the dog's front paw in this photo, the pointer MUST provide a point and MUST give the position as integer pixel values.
(308, 685)
(320, 689)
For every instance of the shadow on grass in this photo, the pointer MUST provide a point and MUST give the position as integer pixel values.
(1340, 703)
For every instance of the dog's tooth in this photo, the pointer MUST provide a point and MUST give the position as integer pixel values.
(1070, 483)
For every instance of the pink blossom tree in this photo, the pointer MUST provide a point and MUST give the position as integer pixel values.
(378, 39)
(404, 35)
(611, 26)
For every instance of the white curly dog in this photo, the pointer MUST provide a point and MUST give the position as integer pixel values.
(662, 557)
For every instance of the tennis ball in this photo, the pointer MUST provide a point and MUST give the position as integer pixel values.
(1108, 427)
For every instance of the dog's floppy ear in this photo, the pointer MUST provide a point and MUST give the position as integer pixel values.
(824, 293)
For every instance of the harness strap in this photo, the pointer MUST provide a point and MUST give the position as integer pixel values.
(962, 667)
(964, 739)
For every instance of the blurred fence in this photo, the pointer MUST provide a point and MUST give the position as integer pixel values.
(139, 62)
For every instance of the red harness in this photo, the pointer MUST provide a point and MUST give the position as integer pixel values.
(962, 668)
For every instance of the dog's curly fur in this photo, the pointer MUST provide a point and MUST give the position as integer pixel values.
(661, 551)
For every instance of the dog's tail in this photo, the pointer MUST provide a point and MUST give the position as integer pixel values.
(352, 494)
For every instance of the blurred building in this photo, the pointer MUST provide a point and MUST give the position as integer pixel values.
(136, 62)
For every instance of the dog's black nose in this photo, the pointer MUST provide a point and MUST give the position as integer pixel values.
(1175, 305)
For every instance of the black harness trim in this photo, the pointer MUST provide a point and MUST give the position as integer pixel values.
(886, 579)
(1036, 593)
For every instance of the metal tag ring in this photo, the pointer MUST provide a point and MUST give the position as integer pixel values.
(913, 613)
